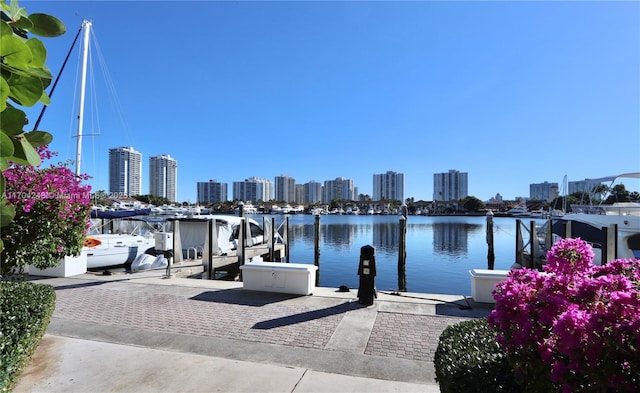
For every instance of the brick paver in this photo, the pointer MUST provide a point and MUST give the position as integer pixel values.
(407, 336)
(269, 319)
(212, 314)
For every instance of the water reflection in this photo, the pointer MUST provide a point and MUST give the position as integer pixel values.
(439, 250)
(453, 238)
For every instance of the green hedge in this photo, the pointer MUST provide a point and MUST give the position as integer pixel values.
(25, 313)
(468, 359)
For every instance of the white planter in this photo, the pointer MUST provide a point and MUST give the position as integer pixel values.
(69, 266)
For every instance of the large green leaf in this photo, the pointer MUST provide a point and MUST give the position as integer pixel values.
(12, 120)
(6, 146)
(24, 153)
(4, 162)
(7, 212)
(15, 52)
(38, 52)
(46, 25)
(4, 94)
(38, 138)
(25, 90)
(5, 29)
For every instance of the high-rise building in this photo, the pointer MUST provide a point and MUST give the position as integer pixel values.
(389, 186)
(587, 185)
(312, 192)
(451, 186)
(253, 189)
(543, 191)
(285, 188)
(340, 188)
(163, 177)
(212, 191)
(125, 171)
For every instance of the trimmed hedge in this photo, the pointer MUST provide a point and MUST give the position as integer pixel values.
(25, 312)
(468, 359)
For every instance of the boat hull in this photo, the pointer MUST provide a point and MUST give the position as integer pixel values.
(112, 249)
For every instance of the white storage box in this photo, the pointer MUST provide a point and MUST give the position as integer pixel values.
(483, 282)
(296, 278)
(163, 241)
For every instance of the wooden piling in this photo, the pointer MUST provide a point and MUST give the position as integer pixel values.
(316, 242)
(402, 255)
(491, 256)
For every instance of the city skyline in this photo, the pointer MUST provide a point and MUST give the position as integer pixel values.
(451, 185)
(514, 93)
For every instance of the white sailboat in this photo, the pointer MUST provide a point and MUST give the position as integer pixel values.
(110, 249)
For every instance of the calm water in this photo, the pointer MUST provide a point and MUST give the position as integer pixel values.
(440, 250)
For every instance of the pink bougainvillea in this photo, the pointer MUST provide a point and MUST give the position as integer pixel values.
(575, 326)
(52, 211)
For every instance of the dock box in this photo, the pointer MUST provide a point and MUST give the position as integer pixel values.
(483, 282)
(295, 278)
(163, 241)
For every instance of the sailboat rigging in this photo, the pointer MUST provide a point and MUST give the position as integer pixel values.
(103, 249)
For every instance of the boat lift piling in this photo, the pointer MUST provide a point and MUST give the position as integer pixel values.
(316, 246)
(528, 254)
(402, 255)
(491, 256)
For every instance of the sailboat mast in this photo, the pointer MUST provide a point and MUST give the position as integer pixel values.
(86, 26)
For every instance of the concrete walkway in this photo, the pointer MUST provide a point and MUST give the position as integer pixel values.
(143, 332)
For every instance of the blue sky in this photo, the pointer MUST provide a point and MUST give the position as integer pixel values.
(512, 93)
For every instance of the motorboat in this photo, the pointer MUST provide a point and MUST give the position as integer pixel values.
(192, 233)
(590, 223)
(519, 211)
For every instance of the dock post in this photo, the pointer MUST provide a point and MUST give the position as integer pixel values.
(210, 228)
(609, 244)
(491, 256)
(286, 238)
(519, 244)
(535, 246)
(316, 248)
(272, 240)
(402, 255)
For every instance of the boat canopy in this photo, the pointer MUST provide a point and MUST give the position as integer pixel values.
(630, 175)
(111, 214)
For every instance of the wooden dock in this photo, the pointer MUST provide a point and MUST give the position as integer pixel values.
(223, 265)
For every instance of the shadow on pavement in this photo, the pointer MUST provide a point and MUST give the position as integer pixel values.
(243, 297)
(308, 316)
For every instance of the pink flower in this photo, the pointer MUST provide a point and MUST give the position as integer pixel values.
(571, 318)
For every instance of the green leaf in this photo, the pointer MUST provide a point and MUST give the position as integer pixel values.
(24, 153)
(5, 29)
(46, 25)
(7, 212)
(12, 120)
(4, 94)
(15, 52)
(23, 24)
(25, 90)
(6, 146)
(38, 138)
(38, 51)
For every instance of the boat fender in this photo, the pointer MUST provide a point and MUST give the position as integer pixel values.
(160, 261)
(142, 262)
(91, 242)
